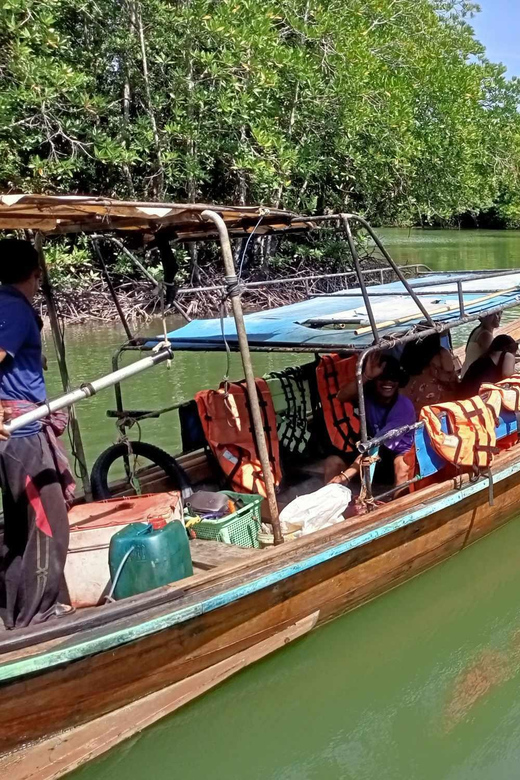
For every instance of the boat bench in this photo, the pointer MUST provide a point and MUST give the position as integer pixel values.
(430, 462)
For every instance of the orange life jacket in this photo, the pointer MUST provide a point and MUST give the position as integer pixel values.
(228, 427)
(341, 418)
(472, 441)
(509, 390)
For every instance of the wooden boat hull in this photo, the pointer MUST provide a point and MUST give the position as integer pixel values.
(78, 678)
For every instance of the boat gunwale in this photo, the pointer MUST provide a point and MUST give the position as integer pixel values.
(213, 596)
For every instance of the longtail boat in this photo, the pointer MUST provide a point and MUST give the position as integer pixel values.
(71, 689)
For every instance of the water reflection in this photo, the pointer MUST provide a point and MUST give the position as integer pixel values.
(448, 250)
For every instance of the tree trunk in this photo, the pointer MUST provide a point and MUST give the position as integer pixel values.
(158, 177)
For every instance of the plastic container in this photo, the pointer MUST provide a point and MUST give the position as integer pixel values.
(91, 528)
(142, 558)
(240, 528)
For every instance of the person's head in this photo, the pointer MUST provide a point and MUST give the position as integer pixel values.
(417, 355)
(491, 321)
(19, 265)
(387, 384)
(503, 343)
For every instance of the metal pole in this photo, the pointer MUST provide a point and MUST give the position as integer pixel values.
(359, 275)
(232, 286)
(77, 442)
(309, 278)
(365, 446)
(461, 299)
(87, 390)
(111, 289)
(395, 268)
(470, 276)
(365, 469)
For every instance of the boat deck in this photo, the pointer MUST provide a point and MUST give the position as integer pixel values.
(205, 555)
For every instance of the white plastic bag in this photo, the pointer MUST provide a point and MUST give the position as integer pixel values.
(316, 510)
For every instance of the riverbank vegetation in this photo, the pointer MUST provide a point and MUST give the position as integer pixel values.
(386, 107)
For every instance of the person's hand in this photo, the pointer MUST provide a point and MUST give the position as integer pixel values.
(374, 366)
(5, 415)
(45, 364)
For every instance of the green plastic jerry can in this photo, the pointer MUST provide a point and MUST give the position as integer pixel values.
(142, 558)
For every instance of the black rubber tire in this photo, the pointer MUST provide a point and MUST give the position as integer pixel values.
(99, 475)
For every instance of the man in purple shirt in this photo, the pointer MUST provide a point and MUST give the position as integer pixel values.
(36, 528)
(386, 410)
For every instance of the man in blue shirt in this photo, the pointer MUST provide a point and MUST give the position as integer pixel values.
(32, 474)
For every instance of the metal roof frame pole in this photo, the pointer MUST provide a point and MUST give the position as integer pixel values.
(366, 481)
(395, 268)
(236, 304)
(357, 266)
(111, 289)
(59, 344)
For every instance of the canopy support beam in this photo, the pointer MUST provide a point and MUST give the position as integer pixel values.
(236, 305)
(59, 344)
(359, 274)
(112, 290)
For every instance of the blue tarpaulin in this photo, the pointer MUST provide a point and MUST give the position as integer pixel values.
(308, 323)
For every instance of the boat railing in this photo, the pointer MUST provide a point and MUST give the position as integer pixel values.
(470, 276)
(378, 274)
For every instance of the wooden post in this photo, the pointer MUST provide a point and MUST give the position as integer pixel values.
(77, 442)
(256, 414)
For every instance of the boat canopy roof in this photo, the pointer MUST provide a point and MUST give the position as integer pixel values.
(61, 214)
(340, 321)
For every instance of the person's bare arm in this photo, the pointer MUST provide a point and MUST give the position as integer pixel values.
(348, 392)
(3, 414)
(508, 365)
(484, 340)
(374, 366)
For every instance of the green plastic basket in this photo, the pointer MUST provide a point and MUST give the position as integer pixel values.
(240, 528)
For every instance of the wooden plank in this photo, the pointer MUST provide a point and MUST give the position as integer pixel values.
(206, 554)
(67, 751)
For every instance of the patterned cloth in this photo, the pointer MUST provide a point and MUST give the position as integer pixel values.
(53, 426)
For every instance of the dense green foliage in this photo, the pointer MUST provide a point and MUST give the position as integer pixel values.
(384, 106)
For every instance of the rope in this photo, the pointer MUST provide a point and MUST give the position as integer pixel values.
(244, 252)
(232, 291)
(165, 343)
(225, 379)
(131, 463)
(366, 501)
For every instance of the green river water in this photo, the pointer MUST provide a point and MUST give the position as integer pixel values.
(421, 683)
